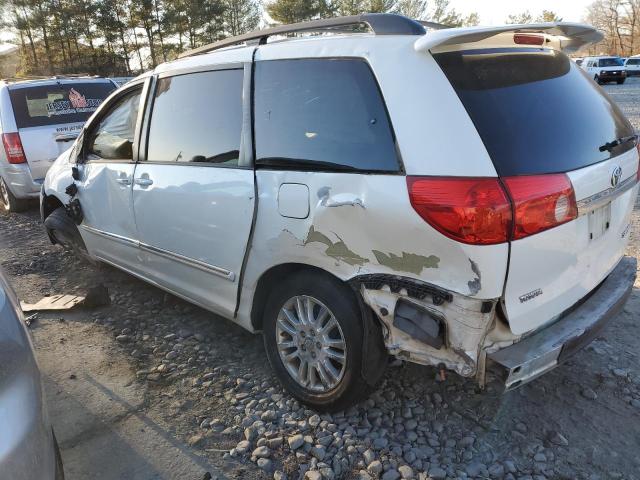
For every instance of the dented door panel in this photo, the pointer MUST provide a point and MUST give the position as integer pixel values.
(108, 229)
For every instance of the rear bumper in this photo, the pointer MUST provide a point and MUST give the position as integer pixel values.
(19, 180)
(548, 348)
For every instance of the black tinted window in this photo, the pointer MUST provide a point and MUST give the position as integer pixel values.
(321, 114)
(58, 103)
(536, 111)
(113, 137)
(197, 118)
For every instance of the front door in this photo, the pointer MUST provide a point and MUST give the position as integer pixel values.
(193, 196)
(106, 179)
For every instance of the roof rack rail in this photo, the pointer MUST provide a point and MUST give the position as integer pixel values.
(35, 78)
(379, 23)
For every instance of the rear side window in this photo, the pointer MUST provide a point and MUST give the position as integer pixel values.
(535, 110)
(56, 104)
(319, 114)
(197, 117)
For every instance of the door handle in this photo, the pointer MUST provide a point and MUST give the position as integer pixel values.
(124, 181)
(143, 181)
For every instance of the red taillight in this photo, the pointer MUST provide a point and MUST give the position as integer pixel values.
(527, 39)
(470, 210)
(13, 148)
(540, 202)
(479, 211)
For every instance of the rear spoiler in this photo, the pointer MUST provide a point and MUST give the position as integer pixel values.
(572, 36)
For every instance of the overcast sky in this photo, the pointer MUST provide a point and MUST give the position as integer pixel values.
(493, 12)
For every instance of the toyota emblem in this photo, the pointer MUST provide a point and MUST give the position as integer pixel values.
(615, 176)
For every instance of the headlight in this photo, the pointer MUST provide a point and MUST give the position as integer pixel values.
(602, 72)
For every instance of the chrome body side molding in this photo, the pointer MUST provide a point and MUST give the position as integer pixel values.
(221, 272)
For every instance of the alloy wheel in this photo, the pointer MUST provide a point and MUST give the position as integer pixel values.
(311, 344)
(4, 194)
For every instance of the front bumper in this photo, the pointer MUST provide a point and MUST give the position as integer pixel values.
(610, 76)
(551, 346)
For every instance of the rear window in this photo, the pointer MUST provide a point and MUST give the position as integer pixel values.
(57, 103)
(535, 110)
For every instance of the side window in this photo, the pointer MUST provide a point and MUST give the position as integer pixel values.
(113, 137)
(319, 113)
(197, 117)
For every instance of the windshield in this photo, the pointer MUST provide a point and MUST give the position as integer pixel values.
(610, 62)
(535, 110)
(57, 103)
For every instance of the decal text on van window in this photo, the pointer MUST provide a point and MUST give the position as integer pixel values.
(77, 103)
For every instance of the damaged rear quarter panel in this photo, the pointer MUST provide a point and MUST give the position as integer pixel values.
(362, 224)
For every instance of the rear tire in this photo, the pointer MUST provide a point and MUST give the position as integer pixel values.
(334, 375)
(9, 202)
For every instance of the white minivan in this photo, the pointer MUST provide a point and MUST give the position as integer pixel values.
(632, 66)
(459, 198)
(605, 69)
(39, 119)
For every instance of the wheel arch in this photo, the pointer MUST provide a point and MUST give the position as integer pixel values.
(48, 204)
(271, 275)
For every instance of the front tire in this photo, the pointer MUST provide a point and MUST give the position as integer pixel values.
(9, 202)
(63, 230)
(314, 340)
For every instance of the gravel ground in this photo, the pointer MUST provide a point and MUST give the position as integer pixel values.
(202, 385)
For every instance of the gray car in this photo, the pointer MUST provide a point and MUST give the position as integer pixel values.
(28, 448)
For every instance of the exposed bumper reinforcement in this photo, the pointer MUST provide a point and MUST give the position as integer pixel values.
(551, 346)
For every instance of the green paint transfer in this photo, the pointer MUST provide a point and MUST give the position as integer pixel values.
(337, 250)
(408, 262)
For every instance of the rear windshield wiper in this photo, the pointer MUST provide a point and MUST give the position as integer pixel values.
(607, 147)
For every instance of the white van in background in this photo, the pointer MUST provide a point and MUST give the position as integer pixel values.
(605, 69)
(632, 66)
(39, 119)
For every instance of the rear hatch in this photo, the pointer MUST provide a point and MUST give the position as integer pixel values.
(50, 116)
(545, 123)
